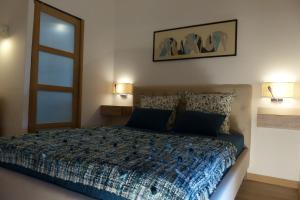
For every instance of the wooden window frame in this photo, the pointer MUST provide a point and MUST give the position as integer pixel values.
(77, 56)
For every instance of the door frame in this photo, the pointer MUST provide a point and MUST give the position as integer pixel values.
(78, 63)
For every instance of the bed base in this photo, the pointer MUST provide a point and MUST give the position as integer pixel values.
(230, 184)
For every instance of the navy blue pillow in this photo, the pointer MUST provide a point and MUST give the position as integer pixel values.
(152, 119)
(198, 123)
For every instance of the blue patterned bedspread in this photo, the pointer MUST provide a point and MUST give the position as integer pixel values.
(130, 163)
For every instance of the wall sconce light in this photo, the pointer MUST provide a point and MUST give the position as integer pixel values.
(123, 89)
(278, 91)
(4, 31)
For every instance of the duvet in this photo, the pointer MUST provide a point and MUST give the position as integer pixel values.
(128, 163)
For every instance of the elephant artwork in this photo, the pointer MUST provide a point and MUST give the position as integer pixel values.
(193, 44)
(168, 47)
(214, 41)
(198, 41)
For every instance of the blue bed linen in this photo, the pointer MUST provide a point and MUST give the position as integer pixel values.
(236, 139)
(124, 163)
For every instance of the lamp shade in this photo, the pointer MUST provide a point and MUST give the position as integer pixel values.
(279, 90)
(123, 88)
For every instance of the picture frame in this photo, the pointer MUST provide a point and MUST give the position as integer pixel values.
(216, 39)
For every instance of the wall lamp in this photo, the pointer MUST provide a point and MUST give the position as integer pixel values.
(123, 89)
(4, 31)
(278, 90)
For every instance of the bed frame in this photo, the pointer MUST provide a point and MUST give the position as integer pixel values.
(21, 187)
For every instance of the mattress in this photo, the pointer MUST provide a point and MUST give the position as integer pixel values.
(37, 155)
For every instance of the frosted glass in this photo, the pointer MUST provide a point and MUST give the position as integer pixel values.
(55, 70)
(56, 33)
(54, 107)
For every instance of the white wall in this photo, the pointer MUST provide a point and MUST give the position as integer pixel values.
(15, 64)
(12, 59)
(268, 49)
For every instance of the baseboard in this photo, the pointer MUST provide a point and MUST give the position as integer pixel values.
(273, 181)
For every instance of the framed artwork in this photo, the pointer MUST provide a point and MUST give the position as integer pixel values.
(216, 39)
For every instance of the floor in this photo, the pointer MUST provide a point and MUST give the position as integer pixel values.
(251, 190)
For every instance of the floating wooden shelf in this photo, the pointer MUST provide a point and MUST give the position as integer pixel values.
(115, 115)
(279, 118)
(115, 111)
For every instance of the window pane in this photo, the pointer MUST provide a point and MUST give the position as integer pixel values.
(55, 70)
(56, 33)
(54, 107)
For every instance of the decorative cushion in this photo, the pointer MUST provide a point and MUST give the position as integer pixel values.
(162, 103)
(151, 119)
(212, 103)
(199, 123)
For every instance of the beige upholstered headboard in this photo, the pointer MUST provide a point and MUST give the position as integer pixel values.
(240, 120)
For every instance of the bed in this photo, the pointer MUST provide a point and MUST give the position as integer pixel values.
(16, 173)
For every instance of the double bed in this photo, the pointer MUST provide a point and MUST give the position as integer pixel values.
(128, 163)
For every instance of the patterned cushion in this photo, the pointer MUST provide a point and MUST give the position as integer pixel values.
(211, 103)
(162, 103)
